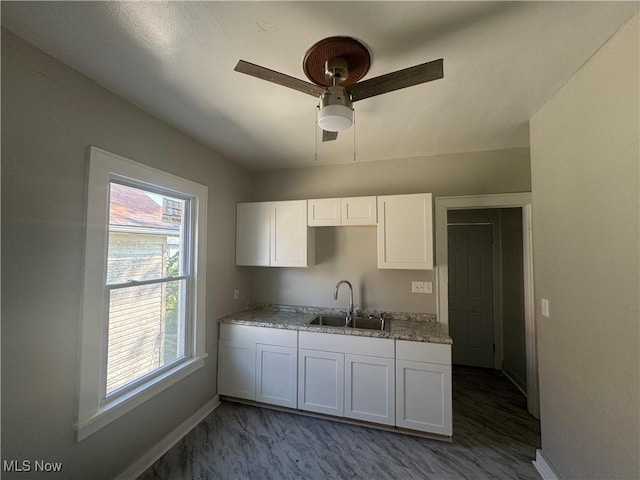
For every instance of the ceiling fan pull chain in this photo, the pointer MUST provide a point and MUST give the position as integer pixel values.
(354, 134)
(315, 125)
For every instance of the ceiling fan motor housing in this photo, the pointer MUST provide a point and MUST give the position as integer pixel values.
(336, 110)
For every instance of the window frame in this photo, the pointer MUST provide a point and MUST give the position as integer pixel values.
(95, 409)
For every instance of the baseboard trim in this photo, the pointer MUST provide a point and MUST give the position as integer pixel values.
(543, 467)
(163, 446)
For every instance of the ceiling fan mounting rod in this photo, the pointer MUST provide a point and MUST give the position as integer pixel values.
(336, 70)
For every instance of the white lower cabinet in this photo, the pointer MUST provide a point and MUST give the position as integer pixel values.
(277, 375)
(423, 387)
(377, 380)
(237, 369)
(348, 376)
(369, 392)
(257, 363)
(321, 382)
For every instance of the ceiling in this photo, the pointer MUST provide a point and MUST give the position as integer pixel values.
(502, 61)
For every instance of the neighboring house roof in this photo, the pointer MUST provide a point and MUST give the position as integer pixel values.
(134, 208)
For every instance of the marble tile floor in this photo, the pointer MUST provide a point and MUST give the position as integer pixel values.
(494, 438)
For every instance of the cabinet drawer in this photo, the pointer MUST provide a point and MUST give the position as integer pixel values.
(329, 342)
(423, 352)
(263, 335)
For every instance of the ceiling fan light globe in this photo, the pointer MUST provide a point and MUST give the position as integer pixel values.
(335, 118)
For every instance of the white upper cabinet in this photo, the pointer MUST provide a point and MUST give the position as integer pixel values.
(274, 234)
(324, 212)
(342, 211)
(359, 211)
(405, 232)
(253, 230)
(290, 236)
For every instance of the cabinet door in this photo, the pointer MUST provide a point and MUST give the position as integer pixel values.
(277, 375)
(423, 397)
(405, 232)
(252, 233)
(359, 211)
(321, 382)
(290, 239)
(370, 389)
(237, 369)
(324, 212)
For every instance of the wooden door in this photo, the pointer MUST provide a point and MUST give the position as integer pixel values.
(471, 294)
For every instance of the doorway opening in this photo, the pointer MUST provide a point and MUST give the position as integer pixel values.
(477, 275)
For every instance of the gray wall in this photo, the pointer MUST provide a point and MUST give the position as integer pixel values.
(514, 361)
(50, 114)
(350, 252)
(586, 192)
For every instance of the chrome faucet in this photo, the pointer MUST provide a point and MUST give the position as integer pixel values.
(351, 312)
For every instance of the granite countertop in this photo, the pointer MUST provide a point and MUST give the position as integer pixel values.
(402, 326)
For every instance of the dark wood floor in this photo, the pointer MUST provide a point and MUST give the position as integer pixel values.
(494, 437)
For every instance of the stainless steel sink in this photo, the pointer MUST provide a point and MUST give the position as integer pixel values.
(369, 323)
(329, 321)
(357, 322)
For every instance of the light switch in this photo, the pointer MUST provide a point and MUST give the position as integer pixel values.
(428, 287)
(236, 294)
(418, 287)
(544, 304)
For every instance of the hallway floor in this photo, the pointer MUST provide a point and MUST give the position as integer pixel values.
(493, 437)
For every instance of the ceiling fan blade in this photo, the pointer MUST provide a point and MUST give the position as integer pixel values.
(396, 80)
(279, 78)
(327, 136)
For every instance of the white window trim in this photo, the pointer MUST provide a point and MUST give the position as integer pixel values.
(93, 411)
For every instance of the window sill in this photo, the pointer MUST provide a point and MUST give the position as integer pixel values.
(114, 409)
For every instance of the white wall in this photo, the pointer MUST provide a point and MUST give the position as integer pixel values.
(50, 115)
(350, 252)
(586, 214)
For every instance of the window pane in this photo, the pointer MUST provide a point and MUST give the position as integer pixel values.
(145, 234)
(146, 330)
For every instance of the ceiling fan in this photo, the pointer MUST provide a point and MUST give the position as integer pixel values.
(335, 65)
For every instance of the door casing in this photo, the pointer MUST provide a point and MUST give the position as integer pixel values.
(506, 200)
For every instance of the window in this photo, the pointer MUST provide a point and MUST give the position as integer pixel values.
(143, 312)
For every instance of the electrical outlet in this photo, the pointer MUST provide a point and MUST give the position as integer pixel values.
(418, 287)
(428, 287)
(544, 304)
(236, 294)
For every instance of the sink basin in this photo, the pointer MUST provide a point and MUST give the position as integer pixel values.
(370, 323)
(329, 321)
(358, 322)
